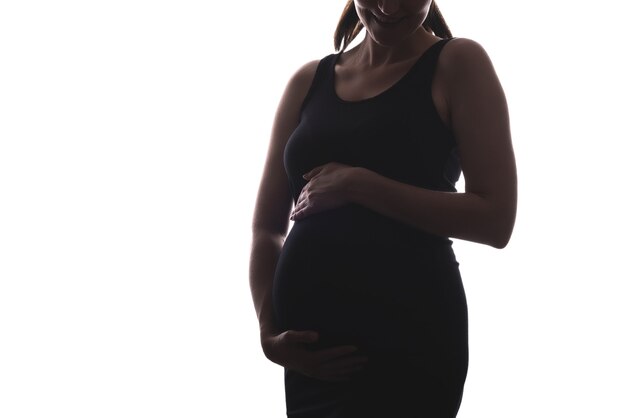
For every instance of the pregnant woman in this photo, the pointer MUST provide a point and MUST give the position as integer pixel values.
(362, 302)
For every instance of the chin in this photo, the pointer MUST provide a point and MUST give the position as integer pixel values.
(392, 34)
(389, 40)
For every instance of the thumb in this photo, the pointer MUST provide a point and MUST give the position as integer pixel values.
(301, 336)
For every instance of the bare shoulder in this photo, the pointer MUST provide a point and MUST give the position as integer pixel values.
(463, 66)
(288, 113)
(464, 59)
(301, 81)
(307, 71)
(274, 196)
(464, 47)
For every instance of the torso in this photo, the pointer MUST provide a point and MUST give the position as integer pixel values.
(354, 275)
(352, 252)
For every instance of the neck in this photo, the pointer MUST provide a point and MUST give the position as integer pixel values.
(369, 53)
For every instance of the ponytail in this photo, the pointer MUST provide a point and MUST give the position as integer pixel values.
(435, 22)
(350, 25)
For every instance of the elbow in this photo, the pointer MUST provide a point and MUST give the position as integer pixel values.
(501, 233)
(493, 239)
(492, 235)
(500, 242)
(494, 226)
(488, 224)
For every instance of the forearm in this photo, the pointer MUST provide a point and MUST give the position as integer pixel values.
(265, 251)
(467, 216)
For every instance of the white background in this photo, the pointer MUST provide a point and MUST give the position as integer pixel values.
(132, 135)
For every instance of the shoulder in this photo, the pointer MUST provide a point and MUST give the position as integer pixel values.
(307, 70)
(301, 80)
(463, 71)
(463, 51)
(288, 113)
(464, 59)
(295, 92)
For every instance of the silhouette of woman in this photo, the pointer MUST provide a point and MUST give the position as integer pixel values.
(362, 303)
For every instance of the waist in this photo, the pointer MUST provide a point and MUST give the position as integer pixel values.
(358, 226)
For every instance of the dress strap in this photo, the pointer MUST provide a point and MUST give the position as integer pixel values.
(430, 59)
(325, 65)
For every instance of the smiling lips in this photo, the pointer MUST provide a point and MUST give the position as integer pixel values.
(386, 21)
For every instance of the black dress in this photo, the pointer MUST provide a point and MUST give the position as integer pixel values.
(363, 279)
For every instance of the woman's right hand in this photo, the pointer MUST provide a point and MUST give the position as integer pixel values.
(289, 349)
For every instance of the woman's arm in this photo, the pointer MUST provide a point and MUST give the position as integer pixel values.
(271, 220)
(475, 108)
(269, 227)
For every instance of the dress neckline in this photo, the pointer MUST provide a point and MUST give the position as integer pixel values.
(412, 67)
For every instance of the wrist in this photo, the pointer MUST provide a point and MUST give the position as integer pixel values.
(356, 183)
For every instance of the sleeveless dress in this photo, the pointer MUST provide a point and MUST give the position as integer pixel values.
(360, 278)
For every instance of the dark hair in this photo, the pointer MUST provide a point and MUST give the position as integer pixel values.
(350, 25)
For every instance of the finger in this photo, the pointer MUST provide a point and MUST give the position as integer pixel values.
(297, 207)
(303, 192)
(295, 213)
(300, 203)
(302, 200)
(299, 213)
(302, 209)
(313, 173)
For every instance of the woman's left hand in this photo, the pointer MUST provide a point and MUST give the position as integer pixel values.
(327, 188)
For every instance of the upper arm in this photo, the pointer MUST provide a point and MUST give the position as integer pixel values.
(479, 119)
(274, 201)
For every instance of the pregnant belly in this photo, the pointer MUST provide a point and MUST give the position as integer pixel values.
(357, 277)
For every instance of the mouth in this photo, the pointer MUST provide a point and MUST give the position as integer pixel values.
(386, 21)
